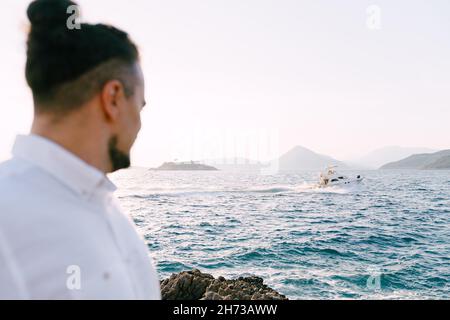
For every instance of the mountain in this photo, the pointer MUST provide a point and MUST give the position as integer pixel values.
(300, 158)
(441, 163)
(437, 160)
(379, 157)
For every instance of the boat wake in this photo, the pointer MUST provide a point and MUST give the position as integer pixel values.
(270, 189)
(307, 188)
(314, 188)
(264, 189)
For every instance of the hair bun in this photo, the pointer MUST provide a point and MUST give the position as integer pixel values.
(48, 12)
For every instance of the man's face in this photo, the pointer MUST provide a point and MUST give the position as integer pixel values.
(128, 126)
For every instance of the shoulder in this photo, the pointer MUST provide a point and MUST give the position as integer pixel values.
(14, 174)
(24, 191)
(13, 168)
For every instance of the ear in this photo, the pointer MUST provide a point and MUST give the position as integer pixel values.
(111, 96)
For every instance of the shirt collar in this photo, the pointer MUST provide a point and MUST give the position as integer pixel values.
(62, 164)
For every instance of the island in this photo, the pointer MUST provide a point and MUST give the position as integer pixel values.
(303, 159)
(426, 161)
(185, 166)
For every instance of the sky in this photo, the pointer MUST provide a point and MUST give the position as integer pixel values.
(254, 78)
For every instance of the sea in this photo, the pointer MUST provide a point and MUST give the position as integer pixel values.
(388, 238)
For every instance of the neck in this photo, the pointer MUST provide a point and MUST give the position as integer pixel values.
(78, 136)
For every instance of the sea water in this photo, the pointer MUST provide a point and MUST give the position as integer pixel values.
(388, 238)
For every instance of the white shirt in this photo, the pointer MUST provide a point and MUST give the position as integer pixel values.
(62, 233)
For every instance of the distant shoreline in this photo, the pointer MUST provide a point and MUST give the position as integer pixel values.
(184, 166)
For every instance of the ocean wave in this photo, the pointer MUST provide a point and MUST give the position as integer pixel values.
(304, 241)
(172, 267)
(329, 252)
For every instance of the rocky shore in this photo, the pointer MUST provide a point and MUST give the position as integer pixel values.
(195, 285)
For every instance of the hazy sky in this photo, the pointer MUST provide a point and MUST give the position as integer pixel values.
(226, 72)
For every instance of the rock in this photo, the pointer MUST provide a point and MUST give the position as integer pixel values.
(210, 295)
(188, 285)
(195, 285)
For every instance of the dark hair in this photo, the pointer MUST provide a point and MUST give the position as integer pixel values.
(65, 67)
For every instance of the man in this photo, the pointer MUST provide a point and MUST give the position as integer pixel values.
(62, 234)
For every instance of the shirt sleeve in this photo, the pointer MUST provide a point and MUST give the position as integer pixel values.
(12, 286)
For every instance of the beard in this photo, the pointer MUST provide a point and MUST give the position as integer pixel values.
(119, 159)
